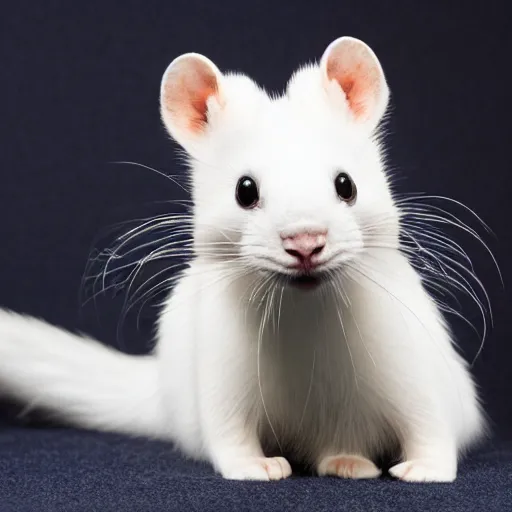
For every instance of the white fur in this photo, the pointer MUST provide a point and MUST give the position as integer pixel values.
(335, 376)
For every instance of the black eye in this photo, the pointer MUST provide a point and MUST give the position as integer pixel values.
(345, 187)
(247, 193)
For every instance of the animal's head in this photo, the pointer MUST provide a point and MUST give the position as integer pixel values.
(295, 184)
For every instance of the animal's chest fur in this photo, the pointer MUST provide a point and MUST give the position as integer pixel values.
(318, 390)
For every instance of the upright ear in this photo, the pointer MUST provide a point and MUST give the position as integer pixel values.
(190, 95)
(350, 67)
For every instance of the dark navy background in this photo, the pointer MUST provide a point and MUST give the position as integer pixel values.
(79, 90)
(79, 85)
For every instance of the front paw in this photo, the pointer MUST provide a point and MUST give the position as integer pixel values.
(257, 468)
(348, 466)
(422, 471)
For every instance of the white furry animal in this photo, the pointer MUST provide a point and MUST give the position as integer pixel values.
(300, 326)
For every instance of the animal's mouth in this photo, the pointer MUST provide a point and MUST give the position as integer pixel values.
(305, 281)
(300, 278)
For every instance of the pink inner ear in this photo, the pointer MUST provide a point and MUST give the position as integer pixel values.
(357, 74)
(187, 92)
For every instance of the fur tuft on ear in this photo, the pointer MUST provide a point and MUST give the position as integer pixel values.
(350, 65)
(190, 91)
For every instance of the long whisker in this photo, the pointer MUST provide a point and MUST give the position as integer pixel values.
(263, 320)
(439, 259)
(448, 199)
(339, 283)
(167, 176)
(335, 296)
(310, 388)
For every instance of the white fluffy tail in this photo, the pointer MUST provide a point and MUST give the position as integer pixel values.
(77, 379)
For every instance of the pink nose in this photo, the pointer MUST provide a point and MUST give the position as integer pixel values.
(304, 246)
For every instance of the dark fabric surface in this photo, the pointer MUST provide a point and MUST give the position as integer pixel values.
(69, 470)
